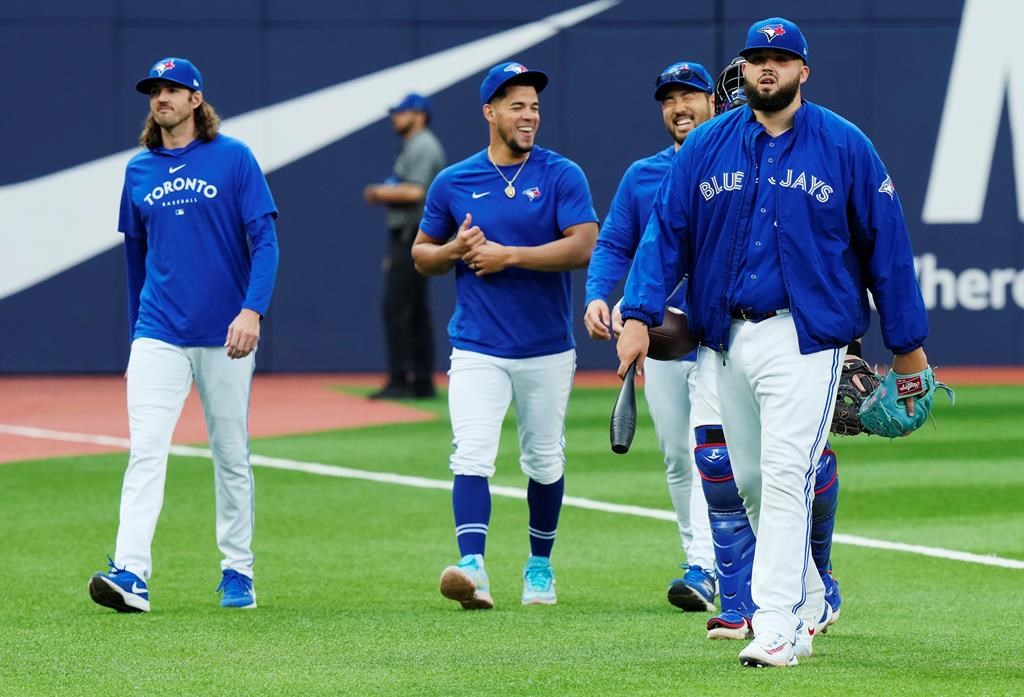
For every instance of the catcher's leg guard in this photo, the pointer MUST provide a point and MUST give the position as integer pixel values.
(823, 521)
(823, 510)
(731, 533)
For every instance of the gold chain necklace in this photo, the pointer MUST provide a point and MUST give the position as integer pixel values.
(510, 190)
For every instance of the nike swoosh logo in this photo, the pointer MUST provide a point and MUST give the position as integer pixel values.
(40, 239)
(476, 195)
(172, 170)
(139, 591)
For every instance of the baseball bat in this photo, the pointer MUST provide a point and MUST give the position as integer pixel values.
(623, 422)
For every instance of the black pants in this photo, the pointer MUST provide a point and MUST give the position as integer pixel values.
(406, 313)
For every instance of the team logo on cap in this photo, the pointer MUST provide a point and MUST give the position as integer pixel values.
(887, 188)
(163, 67)
(772, 31)
(515, 68)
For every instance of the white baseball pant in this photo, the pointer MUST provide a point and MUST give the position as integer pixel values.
(776, 409)
(480, 389)
(160, 376)
(670, 388)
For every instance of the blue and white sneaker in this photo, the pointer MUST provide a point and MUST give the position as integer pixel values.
(730, 625)
(831, 597)
(237, 590)
(695, 591)
(768, 650)
(467, 583)
(539, 582)
(119, 589)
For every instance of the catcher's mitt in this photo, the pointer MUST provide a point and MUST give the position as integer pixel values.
(884, 412)
(856, 383)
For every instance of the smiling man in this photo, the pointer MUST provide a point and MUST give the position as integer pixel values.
(684, 91)
(783, 217)
(512, 220)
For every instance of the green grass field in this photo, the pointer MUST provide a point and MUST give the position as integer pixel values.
(347, 575)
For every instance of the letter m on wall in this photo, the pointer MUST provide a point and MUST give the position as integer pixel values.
(986, 65)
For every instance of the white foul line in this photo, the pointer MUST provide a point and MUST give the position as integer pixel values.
(326, 470)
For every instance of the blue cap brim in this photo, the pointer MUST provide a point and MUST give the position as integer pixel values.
(146, 84)
(533, 78)
(747, 51)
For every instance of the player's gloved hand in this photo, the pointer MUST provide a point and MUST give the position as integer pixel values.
(856, 383)
(884, 412)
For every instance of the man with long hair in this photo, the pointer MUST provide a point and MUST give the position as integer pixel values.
(201, 258)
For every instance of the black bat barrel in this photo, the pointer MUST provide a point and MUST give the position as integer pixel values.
(623, 422)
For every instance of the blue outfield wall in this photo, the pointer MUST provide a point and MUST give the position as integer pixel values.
(929, 81)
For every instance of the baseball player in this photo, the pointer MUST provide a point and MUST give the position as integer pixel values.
(733, 537)
(511, 220)
(684, 90)
(783, 216)
(201, 257)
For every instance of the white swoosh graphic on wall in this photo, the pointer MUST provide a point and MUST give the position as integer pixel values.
(42, 239)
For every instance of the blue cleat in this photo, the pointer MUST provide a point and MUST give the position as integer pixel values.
(539, 582)
(695, 591)
(119, 589)
(831, 597)
(467, 583)
(237, 590)
(730, 625)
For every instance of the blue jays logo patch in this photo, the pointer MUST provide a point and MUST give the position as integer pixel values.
(515, 68)
(161, 68)
(887, 188)
(771, 31)
(532, 193)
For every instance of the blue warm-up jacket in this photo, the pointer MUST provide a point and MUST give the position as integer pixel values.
(840, 231)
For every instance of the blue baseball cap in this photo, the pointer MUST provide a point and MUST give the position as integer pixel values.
(176, 70)
(504, 73)
(683, 74)
(412, 102)
(777, 33)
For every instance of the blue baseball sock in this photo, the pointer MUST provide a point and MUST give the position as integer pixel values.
(471, 502)
(545, 501)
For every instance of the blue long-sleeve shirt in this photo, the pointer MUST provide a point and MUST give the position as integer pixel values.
(841, 233)
(200, 240)
(624, 225)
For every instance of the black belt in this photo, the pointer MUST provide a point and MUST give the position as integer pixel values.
(755, 317)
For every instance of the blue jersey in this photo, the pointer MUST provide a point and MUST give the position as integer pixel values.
(190, 206)
(516, 313)
(623, 227)
(624, 224)
(840, 231)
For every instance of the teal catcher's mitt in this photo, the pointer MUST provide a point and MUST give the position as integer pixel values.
(884, 413)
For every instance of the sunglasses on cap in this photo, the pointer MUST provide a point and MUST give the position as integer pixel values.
(686, 75)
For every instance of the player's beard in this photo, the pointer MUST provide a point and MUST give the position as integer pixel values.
(170, 120)
(782, 98)
(509, 139)
(695, 119)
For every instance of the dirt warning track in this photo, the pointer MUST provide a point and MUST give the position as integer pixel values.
(281, 405)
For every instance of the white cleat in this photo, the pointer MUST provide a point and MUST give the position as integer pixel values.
(768, 650)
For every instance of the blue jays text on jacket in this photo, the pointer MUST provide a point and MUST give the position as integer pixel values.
(839, 221)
